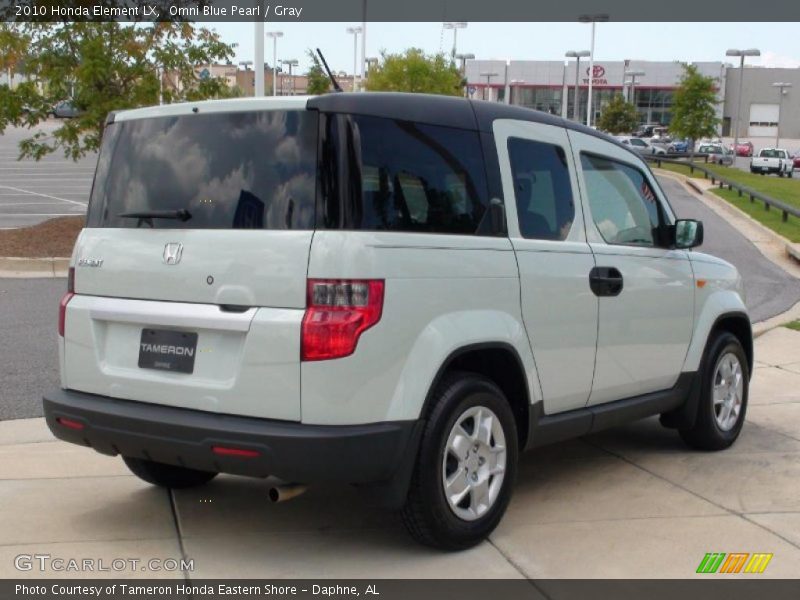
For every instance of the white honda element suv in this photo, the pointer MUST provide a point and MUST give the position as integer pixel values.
(400, 292)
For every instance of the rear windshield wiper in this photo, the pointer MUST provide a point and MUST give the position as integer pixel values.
(180, 215)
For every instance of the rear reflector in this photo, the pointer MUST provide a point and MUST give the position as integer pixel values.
(62, 306)
(69, 423)
(338, 312)
(62, 312)
(238, 452)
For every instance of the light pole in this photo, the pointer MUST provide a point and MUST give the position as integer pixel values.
(488, 76)
(259, 59)
(632, 89)
(593, 19)
(355, 31)
(576, 55)
(363, 43)
(274, 35)
(291, 62)
(782, 87)
(464, 58)
(455, 26)
(741, 54)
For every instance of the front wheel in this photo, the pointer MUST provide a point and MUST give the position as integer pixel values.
(723, 395)
(466, 465)
(168, 476)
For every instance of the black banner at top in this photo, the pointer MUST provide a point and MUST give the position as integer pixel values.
(402, 10)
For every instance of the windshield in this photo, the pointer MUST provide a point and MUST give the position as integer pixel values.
(247, 170)
(772, 154)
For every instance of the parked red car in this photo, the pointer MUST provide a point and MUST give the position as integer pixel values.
(743, 149)
(796, 157)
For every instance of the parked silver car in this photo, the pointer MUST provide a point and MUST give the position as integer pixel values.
(642, 146)
(717, 154)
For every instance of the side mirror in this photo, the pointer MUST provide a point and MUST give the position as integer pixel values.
(497, 213)
(687, 233)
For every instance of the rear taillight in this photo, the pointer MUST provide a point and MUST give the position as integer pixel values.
(337, 313)
(62, 306)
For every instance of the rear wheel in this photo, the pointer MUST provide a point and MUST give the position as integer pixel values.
(466, 465)
(723, 396)
(169, 476)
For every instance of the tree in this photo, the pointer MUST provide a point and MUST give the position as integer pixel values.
(318, 80)
(618, 116)
(13, 44)
(415, 71)
(101, 67)
(694, 114)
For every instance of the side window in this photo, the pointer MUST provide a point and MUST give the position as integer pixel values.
(381, 174)
(624, 207)
(542, 189)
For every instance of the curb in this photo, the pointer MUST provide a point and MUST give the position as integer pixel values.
(33, 267)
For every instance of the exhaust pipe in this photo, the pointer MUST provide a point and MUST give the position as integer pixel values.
(281, 493)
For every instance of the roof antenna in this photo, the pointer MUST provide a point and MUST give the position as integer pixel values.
(336, 85)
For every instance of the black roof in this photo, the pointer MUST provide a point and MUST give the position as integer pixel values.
(449, 111)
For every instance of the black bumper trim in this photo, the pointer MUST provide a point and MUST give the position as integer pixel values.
(294, 452)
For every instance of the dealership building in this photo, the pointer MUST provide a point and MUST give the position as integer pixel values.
(650, 85)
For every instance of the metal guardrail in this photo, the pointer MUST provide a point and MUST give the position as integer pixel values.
(722, 182)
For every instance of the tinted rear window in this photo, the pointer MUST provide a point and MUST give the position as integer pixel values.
(382, 174)
(253, 170)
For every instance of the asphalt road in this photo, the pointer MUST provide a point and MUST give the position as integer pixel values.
(31, 191)
(28, 308)
(28, 331)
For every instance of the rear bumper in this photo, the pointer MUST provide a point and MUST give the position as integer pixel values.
(293, 452)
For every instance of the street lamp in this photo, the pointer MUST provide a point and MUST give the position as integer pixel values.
(488, 76)
(576, 55)
(355, 31)
(741, 54)
(455, 26)
(274, 35)
(593, 19)
(464, 58)
(246, 64)
(292, 62)
(632, 89)
(782, 86)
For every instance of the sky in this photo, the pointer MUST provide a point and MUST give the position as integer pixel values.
(529, 41)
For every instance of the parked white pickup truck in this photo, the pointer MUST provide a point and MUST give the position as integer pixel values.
(772, 160)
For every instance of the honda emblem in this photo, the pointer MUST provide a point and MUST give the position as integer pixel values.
(172, 253)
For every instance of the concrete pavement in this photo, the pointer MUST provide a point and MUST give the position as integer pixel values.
(632, 502)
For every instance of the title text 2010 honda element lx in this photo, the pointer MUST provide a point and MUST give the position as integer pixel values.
(401, 292)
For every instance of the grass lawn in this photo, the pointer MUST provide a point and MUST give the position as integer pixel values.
(783, 189)
(793, 325)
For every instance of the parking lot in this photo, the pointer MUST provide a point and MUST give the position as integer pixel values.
(31, 191)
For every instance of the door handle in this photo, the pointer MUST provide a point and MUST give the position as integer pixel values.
(605, 281)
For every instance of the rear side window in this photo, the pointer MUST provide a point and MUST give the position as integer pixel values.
(248, 170)
(545, 207)
(379, 174)
(623, 205)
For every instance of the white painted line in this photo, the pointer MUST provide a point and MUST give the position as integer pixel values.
(2, 204)
(8, 187)
(42, 215)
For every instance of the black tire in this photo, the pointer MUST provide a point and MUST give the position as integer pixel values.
(168, 476)
(427, 514)
(706, 434)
